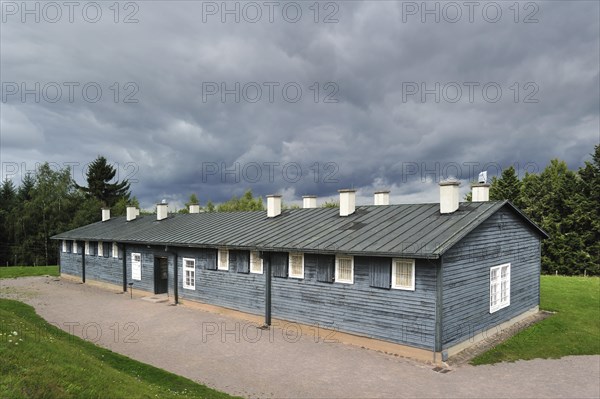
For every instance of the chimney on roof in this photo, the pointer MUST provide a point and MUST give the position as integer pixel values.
(480, 192)
(131, 213)
(309, 201)
(347, 202)
(162, 210)
(273, 205)
(194, 208)
(382, 198)
(105, 214)
(449, 196)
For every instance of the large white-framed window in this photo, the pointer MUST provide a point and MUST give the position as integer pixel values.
(136, 266)
(64, 246)
(296, 265)
(189, 273)
(223, 259)
(115, 250)
(344, 269)
(499, 287)
(87, 247)
(403, 274)
(256, 263)
(100, 248)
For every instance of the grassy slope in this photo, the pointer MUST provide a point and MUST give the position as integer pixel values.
(573, 330)
(43, 361)
(23, 271)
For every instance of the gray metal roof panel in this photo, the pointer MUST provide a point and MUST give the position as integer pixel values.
(402, 230)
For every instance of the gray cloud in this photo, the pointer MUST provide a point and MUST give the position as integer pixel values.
(375, 135)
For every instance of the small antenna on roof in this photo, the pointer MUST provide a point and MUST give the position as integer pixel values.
(482, 177)
(164, 201)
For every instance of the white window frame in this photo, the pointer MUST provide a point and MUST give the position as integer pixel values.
(337, 269)
(223, 258)
(499, 287)
(254, 259)
(100, 248)
(133, 261)
(64, 246)
(87, 247)
(115, 250)
(291, 256)
(74, 247)
(395, 286)
(189, 269)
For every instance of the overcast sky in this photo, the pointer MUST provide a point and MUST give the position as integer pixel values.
(298, 97)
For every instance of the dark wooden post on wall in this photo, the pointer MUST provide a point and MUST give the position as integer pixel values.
(267, 288)
(175, 282)
(82, 261)
(124, 252)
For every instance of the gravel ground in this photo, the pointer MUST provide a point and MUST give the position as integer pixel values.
(234, 356)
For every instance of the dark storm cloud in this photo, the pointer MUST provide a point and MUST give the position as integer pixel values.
(179, 138)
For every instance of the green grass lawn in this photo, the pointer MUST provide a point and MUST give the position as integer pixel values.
(573, 330)
(42, 361)
(24, 271)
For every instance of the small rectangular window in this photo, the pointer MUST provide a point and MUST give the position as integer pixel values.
(115, 250)
(279, 264)
(256, 263)
(189, 273)
(403, 274)
(223, 261)
(344, 269)
(499, 287)
(106, 249)
(296, 265)
(325, 268)
(380, 271)
(87, 247)
(69, 246)
(136, 266)
(64, 245)
(100, 248)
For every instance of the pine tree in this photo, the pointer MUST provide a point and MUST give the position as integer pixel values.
(99, 174)
(507, 187)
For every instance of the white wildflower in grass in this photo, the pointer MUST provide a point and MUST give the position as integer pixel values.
(15, 333)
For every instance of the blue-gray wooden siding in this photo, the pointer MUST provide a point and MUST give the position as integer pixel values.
(406, 317)
(230, 289)
(503, 238)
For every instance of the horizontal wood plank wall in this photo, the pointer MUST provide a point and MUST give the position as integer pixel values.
(503, 238)
(147, 255)
(100, 268)
(406, 317)
(227, 288)
(70, 263)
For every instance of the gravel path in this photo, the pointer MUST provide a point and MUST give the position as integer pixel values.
(234, 356)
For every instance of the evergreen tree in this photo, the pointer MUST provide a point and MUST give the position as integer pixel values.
(507, 187)
(8, 196)
(99, 175)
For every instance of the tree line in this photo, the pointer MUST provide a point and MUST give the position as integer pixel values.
(565, 203)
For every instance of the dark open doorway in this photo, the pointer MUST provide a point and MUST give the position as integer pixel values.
(161, 275)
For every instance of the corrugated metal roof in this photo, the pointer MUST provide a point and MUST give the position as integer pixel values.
(417, 231)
